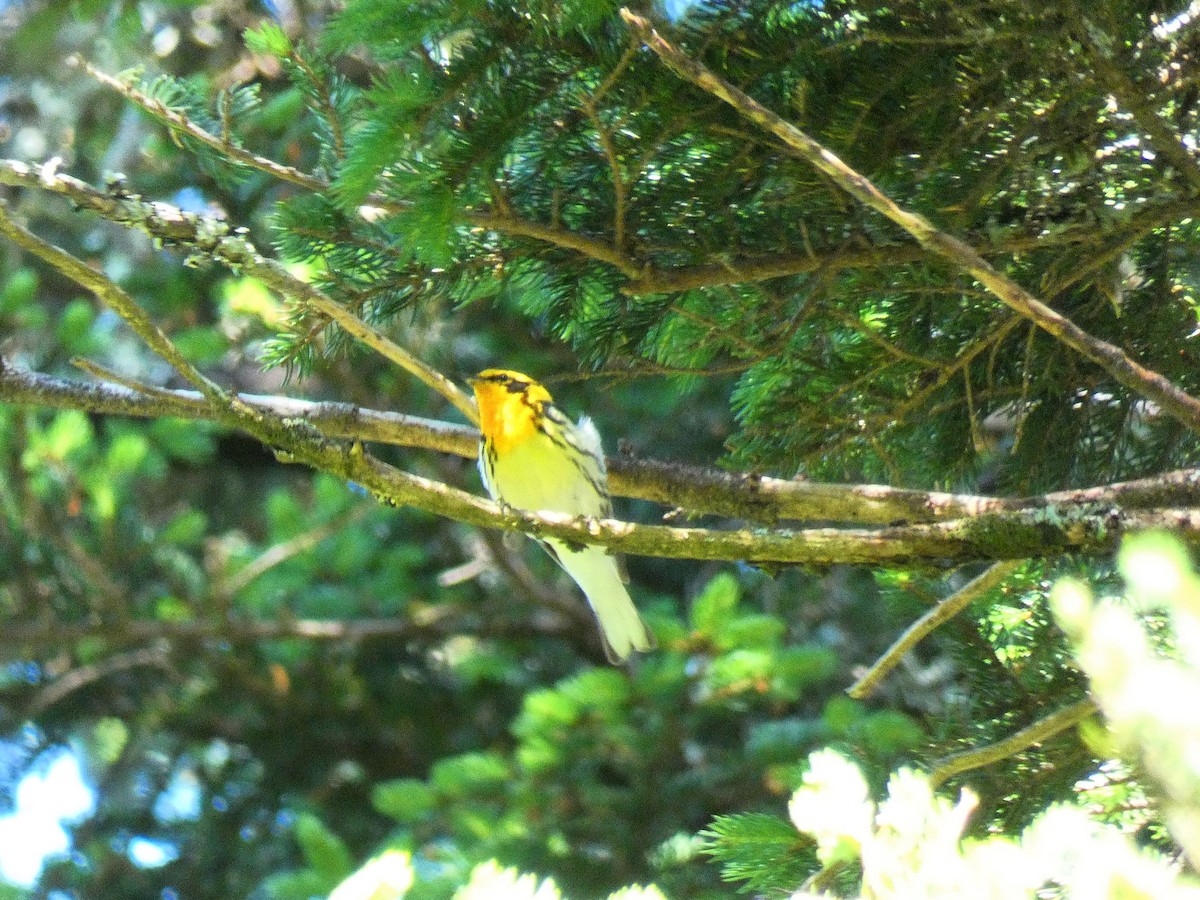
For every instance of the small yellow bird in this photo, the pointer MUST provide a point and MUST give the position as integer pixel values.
(532, 457)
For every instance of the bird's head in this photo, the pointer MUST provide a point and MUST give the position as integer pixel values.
(510, 405)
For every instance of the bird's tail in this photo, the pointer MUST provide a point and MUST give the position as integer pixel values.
(596, 572)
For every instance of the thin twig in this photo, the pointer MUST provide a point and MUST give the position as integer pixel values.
(538, 590)
(105, 374)
(115, 298)
(559, 237)
(857, 325)
(916, 401)
(739, 270)
(943, 612)
(591, 107)
(280, 553)
(1039, 732)
(81, 677)
(182, 124)
(617, 71)
(620, 188)
(328, 109)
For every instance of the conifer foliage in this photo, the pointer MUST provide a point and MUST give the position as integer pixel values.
(1033, 135)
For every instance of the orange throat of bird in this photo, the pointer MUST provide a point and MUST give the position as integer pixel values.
(506, 419)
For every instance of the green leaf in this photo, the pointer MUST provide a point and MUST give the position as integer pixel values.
(406, 800)
(332, 495)
(395, 101)
(889, 731)
(250, 297)
(281, 110)
(604, 689)
(18, 291)
(584, 15)
(109, 738)
(187, 529)
(751, 631)
(716, 605)
(103, 498)
(741, 671)
(285, 514)
(172, 609)
(779, 742)
(74, 329)
(69, 432)
(545, 710)
(842, 713)
(395, 27)
(203, 345)
(126, 453)
(805, 665)
(322, 849)
(183, 439)
(469, 774)
(539, 754)
(426, 227)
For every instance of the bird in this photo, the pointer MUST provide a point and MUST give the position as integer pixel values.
(533, 457)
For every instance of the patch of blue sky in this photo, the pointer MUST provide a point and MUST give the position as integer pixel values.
(52, 794)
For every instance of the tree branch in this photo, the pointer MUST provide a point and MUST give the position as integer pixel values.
(698, 490)
(82, 676)
(1145, 382)
(1040, 731)
(1044, 530)
(740, 271)
(216, 241)
(277, 554)
(1021, 534)
(178, 122)
(568, 240)
(334, 419)
(944, 611)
